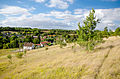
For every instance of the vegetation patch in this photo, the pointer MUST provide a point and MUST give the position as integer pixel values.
(19, 55)
(3, 66)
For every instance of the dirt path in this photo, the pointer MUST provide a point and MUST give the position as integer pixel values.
(113, 44)
(99, 68)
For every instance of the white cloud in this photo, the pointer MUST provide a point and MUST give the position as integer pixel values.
(63, 19)
(31, 9)
(19, 2)
(80, 11)
(40, 1)
(43, 20)
(109, 17)
(60, 15)
(15, 10)
(61, 4)
(58, 3)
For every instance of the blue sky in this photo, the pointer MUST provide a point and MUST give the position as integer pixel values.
(58, 14)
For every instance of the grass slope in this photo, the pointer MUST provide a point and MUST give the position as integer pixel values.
(64, 63)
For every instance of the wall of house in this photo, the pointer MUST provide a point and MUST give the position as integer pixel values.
(29, 48)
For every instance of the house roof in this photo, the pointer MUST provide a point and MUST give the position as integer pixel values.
(45, 42)
(28, 44)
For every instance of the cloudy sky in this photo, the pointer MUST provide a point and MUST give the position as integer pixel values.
(58, 14)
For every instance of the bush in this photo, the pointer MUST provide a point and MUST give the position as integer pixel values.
(49, 44)
(64, 44)
(19, 55)
(9, 57)
(46, 48)
(25, 52)
(5, 46)
(61, 46)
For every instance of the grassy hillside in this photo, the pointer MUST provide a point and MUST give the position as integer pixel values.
(65, 63)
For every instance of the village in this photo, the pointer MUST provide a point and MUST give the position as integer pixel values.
(30, 46)
(35, 38)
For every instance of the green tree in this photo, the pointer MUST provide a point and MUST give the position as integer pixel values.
(111, 32)
(1, 41)
(28, 39)
(36, 41)
(5, 46)
(105, 32)
(14, 43)
(36, 33)
(117, 31)
(39, 39)
(10, 58)
(25, 51)
(86, 34)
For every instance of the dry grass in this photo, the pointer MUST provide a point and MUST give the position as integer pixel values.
(63, 63)
(7, 51)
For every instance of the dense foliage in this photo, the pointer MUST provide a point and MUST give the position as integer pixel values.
(88, 36)
(14, 37)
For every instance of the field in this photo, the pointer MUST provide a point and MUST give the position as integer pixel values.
(7, 51)
(65, 63)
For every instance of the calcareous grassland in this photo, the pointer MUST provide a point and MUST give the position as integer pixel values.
(65, 63)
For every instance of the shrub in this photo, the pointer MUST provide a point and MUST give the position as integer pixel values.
(61, 46)
(64, 44)
(19, 55)
(46, 48)
(25, 52)
(9, 57)
(5, 46)
(49, 44)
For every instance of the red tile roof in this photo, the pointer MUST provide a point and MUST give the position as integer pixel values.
(45, 42)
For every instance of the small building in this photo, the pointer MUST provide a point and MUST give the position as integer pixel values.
(44, 43)
(28, 46)
(39, 45)
(35, 36)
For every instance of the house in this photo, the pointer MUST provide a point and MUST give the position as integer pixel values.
(28, 46)
(39, 45)
(35, 37)
(44, 43)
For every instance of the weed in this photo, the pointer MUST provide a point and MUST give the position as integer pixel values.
(19, 55)
(10, 58)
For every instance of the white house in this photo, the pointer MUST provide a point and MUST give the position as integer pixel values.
(39, 45)
(28, 46)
